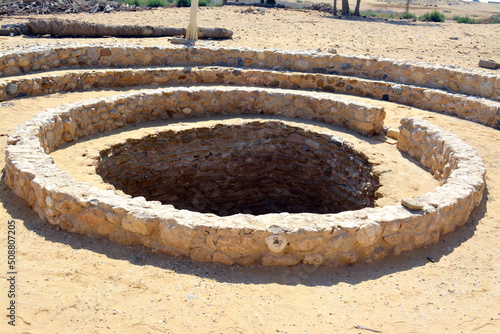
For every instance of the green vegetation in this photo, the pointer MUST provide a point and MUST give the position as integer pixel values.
(447, 11)
(408, 16)
(468, 20)
(133, 2)
(157, 3)
(187, 3)
(299, 1)
(434, 16)
(370, 13)
(464, 19)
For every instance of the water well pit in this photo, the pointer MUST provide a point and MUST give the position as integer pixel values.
(253, 168)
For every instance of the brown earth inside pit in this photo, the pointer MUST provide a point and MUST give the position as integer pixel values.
(252, 168)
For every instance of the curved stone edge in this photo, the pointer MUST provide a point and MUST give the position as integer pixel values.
(273, 239)
(479, 110)
(420, 74)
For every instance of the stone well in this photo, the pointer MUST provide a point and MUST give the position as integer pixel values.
(271, 238)
(271, 224)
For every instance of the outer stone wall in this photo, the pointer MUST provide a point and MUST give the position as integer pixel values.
(421, 74)
(472, 108)
(271, 239)
(252, 167)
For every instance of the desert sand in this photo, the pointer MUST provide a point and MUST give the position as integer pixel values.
(68, 283)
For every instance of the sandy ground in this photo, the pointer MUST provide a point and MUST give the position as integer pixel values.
(67, 283)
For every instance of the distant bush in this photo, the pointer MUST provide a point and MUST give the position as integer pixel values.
(465, 19)
(183, 3)
(134, 2)
(435, 16)
(408, 16)
(370, 13)
(187, 3)
(157, 3)
(447, 11)
(393, 15)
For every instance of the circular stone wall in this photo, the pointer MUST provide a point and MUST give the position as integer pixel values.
(252, 167)
(270, 239)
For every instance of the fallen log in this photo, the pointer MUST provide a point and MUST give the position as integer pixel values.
(68, 28)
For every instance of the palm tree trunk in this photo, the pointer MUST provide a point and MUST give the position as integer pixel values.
(192, 30)
(335, 7)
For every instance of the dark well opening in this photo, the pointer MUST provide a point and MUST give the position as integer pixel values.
(255, 167)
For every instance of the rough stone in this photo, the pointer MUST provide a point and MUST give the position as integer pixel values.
(178, 237)
(306, 244)
(368, 234)
(283, 260)
(12, 89)
(412, 204)
(276, 243)
(313, 259)
(490, 64)
(139, 224)
(92, 216)
(301, 65)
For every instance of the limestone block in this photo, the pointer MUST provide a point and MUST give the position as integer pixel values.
(201, 254)
(222, 258)
(393, 239)
(141, 223)
(67, 206)
(92, 216)
(306, 244)
(349, 257)
(313, 259)
(276, 243)
(106, 229)
(281, 260)
(422, 238)
(368, 234)
(174, 235)
(343, 242)
(241, 244)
